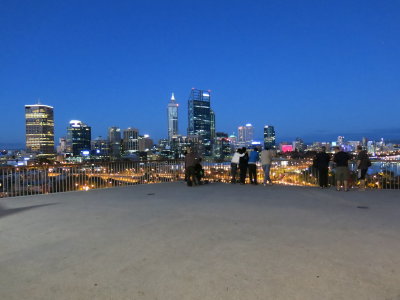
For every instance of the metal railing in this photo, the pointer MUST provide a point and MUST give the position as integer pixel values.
(23, 181)
(32, 180)
(381, 175)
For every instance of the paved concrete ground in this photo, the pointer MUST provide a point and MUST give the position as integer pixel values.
(218, 241)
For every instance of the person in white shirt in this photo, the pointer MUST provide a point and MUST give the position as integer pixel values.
(235, 163)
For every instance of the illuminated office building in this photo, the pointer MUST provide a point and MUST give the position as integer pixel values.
(222, 146)
(172, 114)
(79, 136)
(199, 118)
(100, 147)
(245, 135)
(114, 140)
(269, 137)
(39, 120)
(145, 143)
(199, 114)
(130, 143)
(212, 127)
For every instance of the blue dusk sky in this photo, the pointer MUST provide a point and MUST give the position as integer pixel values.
(313, 69)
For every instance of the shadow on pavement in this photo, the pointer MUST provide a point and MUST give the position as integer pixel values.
(10, 211)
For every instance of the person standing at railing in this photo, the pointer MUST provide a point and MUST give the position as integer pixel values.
(235, 164)
(363, 163)
(266, 160)
(191, 160)
(254, 157)
(243, 165)
(341, 159)
(321, 161)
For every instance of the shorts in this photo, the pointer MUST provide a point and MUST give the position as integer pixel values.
(342, 173)
(362, 173)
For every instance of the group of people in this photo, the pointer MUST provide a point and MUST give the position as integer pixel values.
(244, 162)
(341, 160)
(193, 169)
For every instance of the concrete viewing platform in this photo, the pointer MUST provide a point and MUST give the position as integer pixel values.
(216, 241)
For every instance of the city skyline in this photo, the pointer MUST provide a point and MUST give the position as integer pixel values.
(257, 136)
(313, 70)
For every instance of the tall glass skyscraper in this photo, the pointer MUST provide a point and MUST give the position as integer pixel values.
(79, 136)
(199, 117)
(172, 115)
(212, 127)
(199, 114)
(269, 137)
(39, 121)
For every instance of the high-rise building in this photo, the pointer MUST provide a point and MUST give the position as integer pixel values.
(100, 147)
(199, 114)
(212, 127)
(130, 143)
(145, 143)
(39, 120)
(299, 145)
(79, 136)
(172, 115)
(114, 139)
(222, 146)
(62, 145)
(269, 137)
(245, 135)
(199, 118)
(340, 140)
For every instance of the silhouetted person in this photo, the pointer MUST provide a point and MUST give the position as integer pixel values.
(363, 163)
(243, 164)
(235, 164)
(321, 161)
(199, 171)
(254, 157)
(341, 159)
(191, 160)
(266, 161)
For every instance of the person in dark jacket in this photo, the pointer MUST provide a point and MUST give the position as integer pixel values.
(254, 157)
(321, 161)
(363, 163)
(243, 165)
(191, 160)
(341, 159)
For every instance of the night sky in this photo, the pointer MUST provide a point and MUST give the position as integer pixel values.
(313, 69)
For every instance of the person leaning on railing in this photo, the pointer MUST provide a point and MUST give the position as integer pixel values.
(235, 164)
(266, 160)
(321, 163)
(363, 163)
(191, 160)
(341, 159)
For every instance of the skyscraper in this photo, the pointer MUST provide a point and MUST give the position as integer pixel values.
(130, 142)
(199, 114)
(269, 137)
(79, 136)
(100, 147)
(199, 118)
(114, 139)
(245, 135)
(39, 120)
(212, 127)
(172, 115)
(145, 143)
